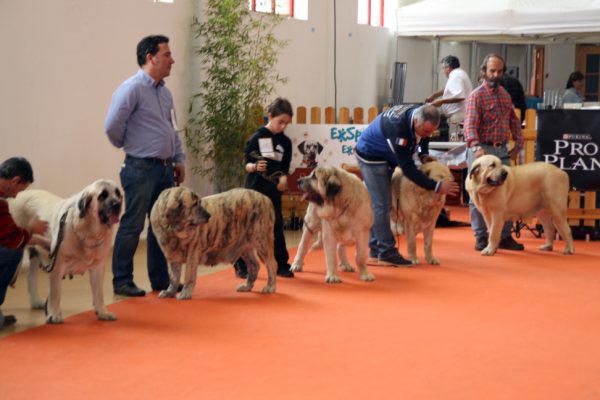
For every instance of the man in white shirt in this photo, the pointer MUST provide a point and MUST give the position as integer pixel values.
(452, 98)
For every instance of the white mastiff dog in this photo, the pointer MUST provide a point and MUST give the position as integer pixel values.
(502, 193)
(81, 229)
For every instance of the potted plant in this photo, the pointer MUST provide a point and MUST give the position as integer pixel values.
(238, 52)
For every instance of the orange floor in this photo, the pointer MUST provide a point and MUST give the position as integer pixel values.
(519, 325)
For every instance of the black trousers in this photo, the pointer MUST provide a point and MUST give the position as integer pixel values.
(281, 254)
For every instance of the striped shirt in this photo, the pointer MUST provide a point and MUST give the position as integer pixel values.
(490, 117)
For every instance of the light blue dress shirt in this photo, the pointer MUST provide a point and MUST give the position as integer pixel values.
(140, 119)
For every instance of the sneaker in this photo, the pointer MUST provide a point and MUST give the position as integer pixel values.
(129, 290)
(395, 260)
(481, 243)
(508, 243)
(372, 260)
(283, 271)
(8, 321)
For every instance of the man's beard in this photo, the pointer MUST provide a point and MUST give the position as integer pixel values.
(493, 82)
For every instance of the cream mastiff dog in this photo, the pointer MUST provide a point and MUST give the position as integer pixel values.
(81, 229)
(415, 209)
(340, 207)
(213, 230)
(502, 193)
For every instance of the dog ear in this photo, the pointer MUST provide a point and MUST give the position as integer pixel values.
(173, 214)
(301, 147)
(474, 172)
(333, 186)
(83, 204)
(319, 147)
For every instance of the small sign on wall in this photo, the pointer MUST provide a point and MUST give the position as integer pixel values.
(325, 145)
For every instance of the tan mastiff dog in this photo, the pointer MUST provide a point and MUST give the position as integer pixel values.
(502, 193)
(213, 230)
(415, 209)
(340, 208)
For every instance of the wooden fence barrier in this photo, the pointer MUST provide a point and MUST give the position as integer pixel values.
(582, 205)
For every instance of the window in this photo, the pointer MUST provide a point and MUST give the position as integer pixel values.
(376, 13)
(294, 8)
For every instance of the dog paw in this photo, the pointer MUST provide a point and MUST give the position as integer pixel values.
(569, 250)
(106, 316)
(38, 305)
(414, 261)
(346, 267)
(268, 289)
(433, 261)
(367, 277)
(54, 319)
(185, 294)
(488, 251)
(546, 247)
(244, 287)
(296, 267)
(333, 279)
(166, 293)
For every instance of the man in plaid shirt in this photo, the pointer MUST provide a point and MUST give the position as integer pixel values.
(489, 121)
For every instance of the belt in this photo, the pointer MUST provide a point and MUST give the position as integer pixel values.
(154, 160)
(368, 157)
(494, 144)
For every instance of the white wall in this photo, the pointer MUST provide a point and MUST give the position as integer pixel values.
(364, 58)
(64, 58)
(559, 62)
(422, 68)
(62, 61)
(461, 50)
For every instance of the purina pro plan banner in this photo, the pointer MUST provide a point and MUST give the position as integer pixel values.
(570, 139)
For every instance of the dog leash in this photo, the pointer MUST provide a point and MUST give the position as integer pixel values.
(59, 239)
(274, 177)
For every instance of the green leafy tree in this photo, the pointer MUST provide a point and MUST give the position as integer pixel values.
(238, 51)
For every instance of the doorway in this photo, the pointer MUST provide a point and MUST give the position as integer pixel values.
(588, 62)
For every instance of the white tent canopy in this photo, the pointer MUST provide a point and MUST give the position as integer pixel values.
(508, 21)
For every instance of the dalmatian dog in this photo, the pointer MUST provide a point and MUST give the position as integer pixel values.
(310, 149)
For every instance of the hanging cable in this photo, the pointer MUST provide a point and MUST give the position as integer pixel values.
(335, 61)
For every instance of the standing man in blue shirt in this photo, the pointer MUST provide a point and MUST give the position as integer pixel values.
(141, 120)
(388, 142)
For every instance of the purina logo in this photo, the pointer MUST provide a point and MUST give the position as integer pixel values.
(577, 136)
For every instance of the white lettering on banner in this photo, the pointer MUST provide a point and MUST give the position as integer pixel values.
(573, 165)
(565, 151)
(576, 148)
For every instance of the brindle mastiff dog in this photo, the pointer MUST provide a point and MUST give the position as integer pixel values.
(213, 230)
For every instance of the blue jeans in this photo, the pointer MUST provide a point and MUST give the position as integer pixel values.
(142, 180)
(477, 221)
(378, 179)
(9, 261)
